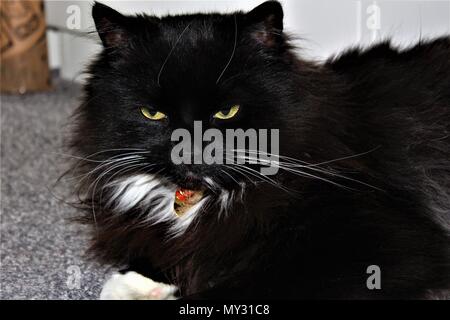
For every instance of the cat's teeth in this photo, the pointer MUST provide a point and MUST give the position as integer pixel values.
(185, 199)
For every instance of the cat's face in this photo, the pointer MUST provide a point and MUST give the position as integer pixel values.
(158, 75)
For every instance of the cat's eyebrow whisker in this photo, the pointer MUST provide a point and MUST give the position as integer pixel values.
(233, 52)
(170, 53)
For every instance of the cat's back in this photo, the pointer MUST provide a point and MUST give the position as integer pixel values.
(400, 94)
(424, 65)
(418, 75)
(399, 100)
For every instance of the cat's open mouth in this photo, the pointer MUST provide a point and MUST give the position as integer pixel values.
(185, 199)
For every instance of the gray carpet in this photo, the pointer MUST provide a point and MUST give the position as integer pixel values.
(41, 252)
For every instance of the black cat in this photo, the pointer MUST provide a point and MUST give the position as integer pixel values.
(363, 173)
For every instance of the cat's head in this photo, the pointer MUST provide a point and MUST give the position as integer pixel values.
(157, 75)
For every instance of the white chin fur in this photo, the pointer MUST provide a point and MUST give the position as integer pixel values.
(155, 198)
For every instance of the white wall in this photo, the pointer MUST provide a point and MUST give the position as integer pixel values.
(330, 26)
(324, 27)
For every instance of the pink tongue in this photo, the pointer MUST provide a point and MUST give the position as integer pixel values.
(185, 199)
(182, 195)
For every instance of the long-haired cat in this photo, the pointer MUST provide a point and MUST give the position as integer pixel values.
(359, 207)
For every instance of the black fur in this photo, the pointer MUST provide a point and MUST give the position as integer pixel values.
(378, 119)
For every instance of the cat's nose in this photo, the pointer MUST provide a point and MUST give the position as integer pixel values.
(189, 180)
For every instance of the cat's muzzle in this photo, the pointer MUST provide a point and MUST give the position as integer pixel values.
(185, 199)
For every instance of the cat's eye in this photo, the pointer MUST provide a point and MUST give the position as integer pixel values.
(227, 114)
(152, 115)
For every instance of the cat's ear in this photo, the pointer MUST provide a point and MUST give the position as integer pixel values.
(266, 23)
(111, 26)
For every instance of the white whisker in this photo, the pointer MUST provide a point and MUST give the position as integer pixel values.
(232, 53)
(170, 53)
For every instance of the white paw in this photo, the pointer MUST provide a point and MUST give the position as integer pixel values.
(134, 286)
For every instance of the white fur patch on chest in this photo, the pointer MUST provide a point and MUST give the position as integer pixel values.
(155, 198)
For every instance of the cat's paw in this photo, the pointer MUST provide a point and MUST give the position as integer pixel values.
(134, 286)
